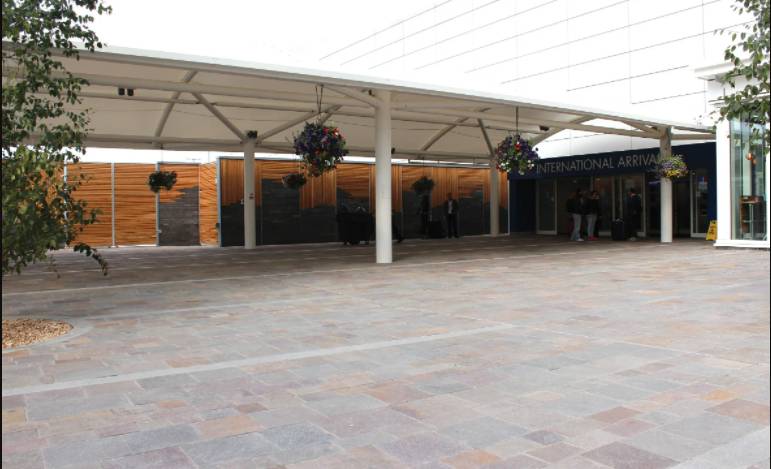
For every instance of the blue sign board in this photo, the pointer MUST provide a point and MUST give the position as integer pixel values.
(618, 162)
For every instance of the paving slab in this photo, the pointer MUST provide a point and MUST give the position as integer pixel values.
(521, 351)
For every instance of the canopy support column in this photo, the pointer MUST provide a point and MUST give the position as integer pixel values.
(250, 224)
(495, 197)
(665, 149)
(383, 246)
(495, 190)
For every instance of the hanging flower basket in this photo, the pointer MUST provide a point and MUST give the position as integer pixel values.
(515, 154)
(161, 180)
(423, 185)
(294, 180)
(320, 147)
(672, 167)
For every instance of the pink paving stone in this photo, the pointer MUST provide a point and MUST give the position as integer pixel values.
(555, 452)
(628, 427)
(471, 459)
(745, 410)
(395, 393)
(227, 426)
(518, 462)
(166, 458)
(621, 456)
(614, 415)
(250, 407)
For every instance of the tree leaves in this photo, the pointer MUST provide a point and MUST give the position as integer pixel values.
(39, 134)
(750, 102)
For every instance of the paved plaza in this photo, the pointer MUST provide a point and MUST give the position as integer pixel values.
(503, 352)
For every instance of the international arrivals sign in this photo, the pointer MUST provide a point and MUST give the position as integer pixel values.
(587, 165)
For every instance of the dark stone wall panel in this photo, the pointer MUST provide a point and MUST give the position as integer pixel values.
(281, 222)
(233, 225)
(178, 220)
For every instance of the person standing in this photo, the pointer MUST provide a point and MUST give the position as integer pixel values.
(633, 210)
(451, 212)
(592, 213)
(575, 207)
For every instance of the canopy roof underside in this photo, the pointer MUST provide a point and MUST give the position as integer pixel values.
(197, 103)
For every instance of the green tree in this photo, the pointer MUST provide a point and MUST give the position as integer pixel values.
(40, 130)
(749, 55)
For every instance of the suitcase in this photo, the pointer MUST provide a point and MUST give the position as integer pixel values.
(618, 230)
(435, 229)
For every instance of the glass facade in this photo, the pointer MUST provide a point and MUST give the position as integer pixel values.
(546, 205)
(748, 183)
(700, 200)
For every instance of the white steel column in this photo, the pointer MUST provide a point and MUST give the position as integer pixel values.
(383, 245)
(495, 188)
(723, 182)
(665, 149)
(250, 226)
(495, 197)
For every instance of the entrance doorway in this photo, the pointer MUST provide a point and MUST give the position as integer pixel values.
(689, 203)
(565, 189)
(604, 186)
(681, 207)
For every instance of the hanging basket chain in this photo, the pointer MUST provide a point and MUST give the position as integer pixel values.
(319, 100)
(321, 147)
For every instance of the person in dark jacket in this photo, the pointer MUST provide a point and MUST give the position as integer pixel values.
(576, 208)
(633, 213)
(592, 213)
(451, 212)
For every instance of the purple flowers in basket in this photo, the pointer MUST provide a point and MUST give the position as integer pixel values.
(671, 167)
(515, 154)
(320, 147)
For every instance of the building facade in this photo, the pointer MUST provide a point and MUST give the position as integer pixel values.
(539, 198)
(635, 56)
(742, 171)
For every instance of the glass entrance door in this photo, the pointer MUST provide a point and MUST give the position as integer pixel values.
(653, 201)
(627, 182)
(681, 207)
(604, 186)
(546, 214)
(699, 202)
(565, 189)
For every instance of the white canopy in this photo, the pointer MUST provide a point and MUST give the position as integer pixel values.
(178, 102)
(143, 99)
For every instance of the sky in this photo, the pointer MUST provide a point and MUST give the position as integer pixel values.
(286, 32)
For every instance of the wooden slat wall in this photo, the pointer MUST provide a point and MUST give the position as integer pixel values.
(354, 179)
(207, 204)
(275, 170)
(410, 174)
(319, 191)
(472, 180)
(134, 205)
(187, 178)
(232, 177)
(96, 191)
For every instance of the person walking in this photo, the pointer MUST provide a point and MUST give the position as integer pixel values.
(451, 212)
(633, 211)
(592, 213)
(575, 207)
